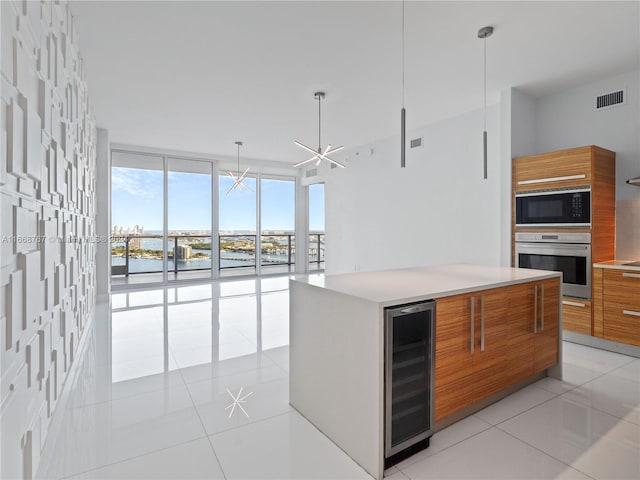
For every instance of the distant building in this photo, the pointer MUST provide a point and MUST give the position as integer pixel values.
(183, 252)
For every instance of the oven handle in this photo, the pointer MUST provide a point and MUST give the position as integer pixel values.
(578, 248)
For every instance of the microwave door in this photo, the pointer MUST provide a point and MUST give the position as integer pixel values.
(554, 209)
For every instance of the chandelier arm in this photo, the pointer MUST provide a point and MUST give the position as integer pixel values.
(338, 164)
(231, 189)
(302, 145)
(241, 178)
(333, 150)
(306, 161)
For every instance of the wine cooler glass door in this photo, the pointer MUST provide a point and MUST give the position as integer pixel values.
(409, 375)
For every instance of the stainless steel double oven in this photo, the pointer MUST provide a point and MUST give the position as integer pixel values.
(562, 247)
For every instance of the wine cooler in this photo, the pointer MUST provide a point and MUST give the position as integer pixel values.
(409, 382)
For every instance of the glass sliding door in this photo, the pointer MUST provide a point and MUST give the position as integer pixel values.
(277, 223)
(190, 244)
(316, 226)
(237, 226)
(137, 223)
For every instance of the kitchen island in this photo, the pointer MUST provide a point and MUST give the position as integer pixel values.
(496, 330)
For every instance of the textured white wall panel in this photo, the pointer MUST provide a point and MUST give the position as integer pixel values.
(47, 185)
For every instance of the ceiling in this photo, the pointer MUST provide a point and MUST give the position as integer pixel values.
(197, 76)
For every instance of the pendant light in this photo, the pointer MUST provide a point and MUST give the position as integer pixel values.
(237, 178)
(319, 155)
(403, 112)
(483, 33)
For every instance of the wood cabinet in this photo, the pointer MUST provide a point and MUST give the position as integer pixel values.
(561, 169)
(588, 166)
(618, 301)
(576, 315)
(489, 340)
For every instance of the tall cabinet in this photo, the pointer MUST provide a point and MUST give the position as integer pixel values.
(588, 166)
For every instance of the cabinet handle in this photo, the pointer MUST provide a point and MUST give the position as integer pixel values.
(535, 309)
(631, 275)
(542, 308)
(552, 179)
(472, 300)
(631, 312)
(574, 304)
(482, 323)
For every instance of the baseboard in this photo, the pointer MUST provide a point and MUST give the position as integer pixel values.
(601, 343)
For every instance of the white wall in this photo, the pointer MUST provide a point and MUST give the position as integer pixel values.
(437, 210)
(567, 119)
(47, 180)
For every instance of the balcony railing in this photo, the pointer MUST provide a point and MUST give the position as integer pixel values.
(133, 254)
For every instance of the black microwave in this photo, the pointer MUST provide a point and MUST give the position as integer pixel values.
(554, 208)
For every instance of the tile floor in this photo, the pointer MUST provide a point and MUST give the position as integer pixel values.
(153, 399)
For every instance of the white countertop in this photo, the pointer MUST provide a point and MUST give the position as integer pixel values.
(394, 287)
(617, 264)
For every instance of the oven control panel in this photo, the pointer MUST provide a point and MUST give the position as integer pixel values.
(554, 237)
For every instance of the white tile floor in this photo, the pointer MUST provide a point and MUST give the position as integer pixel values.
(153, 390)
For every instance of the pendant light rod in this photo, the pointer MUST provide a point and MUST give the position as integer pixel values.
(403, 112)
(239, 144)
(483, 33)
(319, 96)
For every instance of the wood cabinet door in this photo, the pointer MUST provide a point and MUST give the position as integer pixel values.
(521, 354)
(490, 359)
(621, 306)
(561, 169)
(576, 315)
(453, 362)
(546, 338)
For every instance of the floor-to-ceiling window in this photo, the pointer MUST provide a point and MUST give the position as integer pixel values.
(237, 227)
(316, 226)
(189, 207)
(277, 224)
(137, 218)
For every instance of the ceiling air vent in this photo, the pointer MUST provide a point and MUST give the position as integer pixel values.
(416, 142)
(613, 99)
(311, 173)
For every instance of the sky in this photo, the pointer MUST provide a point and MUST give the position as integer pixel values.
(137, 200)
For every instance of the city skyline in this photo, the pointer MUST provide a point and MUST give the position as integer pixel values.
(135, 195)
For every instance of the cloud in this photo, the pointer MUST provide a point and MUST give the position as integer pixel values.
(129, 180)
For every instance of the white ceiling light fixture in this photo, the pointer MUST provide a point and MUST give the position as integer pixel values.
(237, 178)
(483, 33)
(319, 155)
